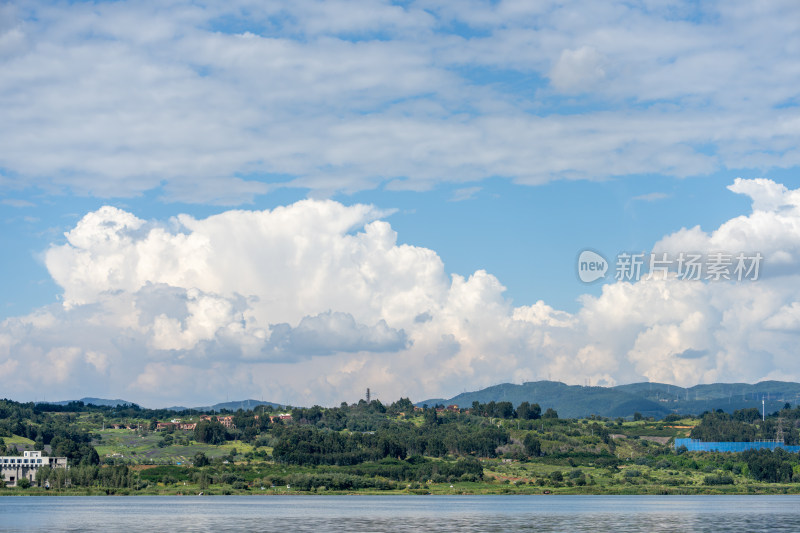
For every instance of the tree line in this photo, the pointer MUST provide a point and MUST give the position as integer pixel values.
(746, 425)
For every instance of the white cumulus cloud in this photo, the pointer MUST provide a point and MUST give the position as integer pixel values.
(309, 302)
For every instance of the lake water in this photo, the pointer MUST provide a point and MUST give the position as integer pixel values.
(319, 514)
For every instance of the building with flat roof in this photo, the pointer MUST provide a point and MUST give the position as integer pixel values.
(14, 468)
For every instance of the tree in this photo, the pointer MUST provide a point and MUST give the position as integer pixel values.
(200, 459)
(533, 446)
(209, 432)
(749, 415)
(43, 474)
(550, 413)
(76, 452)
(477, 408)
(504, 410)
(791, 437)
(769, 466)
(24, 483)
(527, 411)
(403, 405)
(264, 422)
(430, 417)
(389, 446)
(90, 456)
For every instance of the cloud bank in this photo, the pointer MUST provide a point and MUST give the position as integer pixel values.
(211, 103)
(315, 301)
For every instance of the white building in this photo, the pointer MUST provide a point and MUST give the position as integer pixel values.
(15, 468)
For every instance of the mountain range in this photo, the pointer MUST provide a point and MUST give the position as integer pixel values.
(93, 401)
(230, 406)
(650, 399)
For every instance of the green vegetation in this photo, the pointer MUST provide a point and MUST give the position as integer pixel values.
(491, 448)
(741, 426)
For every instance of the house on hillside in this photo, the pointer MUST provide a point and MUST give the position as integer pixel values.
(226, 421)
(185, 426)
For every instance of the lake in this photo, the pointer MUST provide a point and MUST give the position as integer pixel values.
(400, 513)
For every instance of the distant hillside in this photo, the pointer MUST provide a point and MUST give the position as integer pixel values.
(649, 399)
(726, 396)
(94, 401)
(230, 406)
(571, 401)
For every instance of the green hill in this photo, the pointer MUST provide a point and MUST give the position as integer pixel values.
(649, 399)
(227, 406)
(93, 401)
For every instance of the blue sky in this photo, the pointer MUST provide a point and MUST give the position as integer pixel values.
(414, 179)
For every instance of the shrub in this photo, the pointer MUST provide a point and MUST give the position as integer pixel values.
(723, 479)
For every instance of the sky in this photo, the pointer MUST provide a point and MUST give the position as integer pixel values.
(294, 201)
